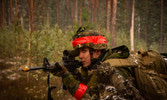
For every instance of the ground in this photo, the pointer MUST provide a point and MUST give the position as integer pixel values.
(18, 85)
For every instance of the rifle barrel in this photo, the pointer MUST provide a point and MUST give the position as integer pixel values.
(26, 68)
(36, 68)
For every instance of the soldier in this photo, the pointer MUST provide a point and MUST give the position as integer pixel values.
(102, 75)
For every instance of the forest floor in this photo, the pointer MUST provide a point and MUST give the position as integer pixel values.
(18, 85)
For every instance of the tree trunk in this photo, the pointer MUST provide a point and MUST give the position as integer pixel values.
(57, 11)
(161, 29)
(113, 24)
(76, 11)
(108, 14)
(106, 5)
(32, 17)
(31, 26)
(97, 10)
(89, 9)
(80, 17)
(11, 11)
(132, 27)
(21, 14)
(146, 24)
(93, 11)
(72, 14)
(29, 38)
(128, 10)
(3, 14)
(68, 8)
(29, 16)
(47, 9)
(7, 18)
(16, 10)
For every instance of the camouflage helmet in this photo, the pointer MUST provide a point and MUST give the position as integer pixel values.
(89, 38)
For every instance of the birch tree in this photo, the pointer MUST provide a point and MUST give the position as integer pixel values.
(132, 27)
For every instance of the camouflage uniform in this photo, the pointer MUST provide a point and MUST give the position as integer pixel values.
(106, 81)
(116, 74)
(103, 80)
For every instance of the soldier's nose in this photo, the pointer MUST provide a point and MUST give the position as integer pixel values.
(80, 56)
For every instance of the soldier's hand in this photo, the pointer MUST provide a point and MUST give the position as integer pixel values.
(48, 67)
(59, 70)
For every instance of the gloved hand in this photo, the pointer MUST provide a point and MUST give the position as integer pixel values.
(59, 70)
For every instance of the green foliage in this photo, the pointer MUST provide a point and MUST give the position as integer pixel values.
(85, 16)
(154, 46)
(6, 42)
(85, 19)
(12, 41)
(50, 43)
(123, 38)
(140, 44)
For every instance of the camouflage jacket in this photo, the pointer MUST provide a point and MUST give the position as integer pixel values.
(110, 80)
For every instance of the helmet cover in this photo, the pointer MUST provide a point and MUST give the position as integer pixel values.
(89, 38)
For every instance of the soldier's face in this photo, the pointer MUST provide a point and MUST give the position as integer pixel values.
(84, 56)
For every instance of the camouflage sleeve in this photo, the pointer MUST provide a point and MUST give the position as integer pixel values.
(77, 89)
(70, 83)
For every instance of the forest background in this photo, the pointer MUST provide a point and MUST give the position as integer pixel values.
(33, 29)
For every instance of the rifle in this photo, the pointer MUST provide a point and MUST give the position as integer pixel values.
(68, 60)
(45, 65)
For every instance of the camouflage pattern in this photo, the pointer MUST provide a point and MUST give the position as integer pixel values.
(118, 52)
(151, 74)
(83, 32)
(119, 82)
(123, 76)
(110, 81)
(91, 45)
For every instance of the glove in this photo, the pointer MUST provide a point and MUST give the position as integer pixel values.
(59, 70)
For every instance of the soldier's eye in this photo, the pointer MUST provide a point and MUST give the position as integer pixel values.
(84, 51)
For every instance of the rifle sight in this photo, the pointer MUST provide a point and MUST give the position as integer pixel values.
(71, 53)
